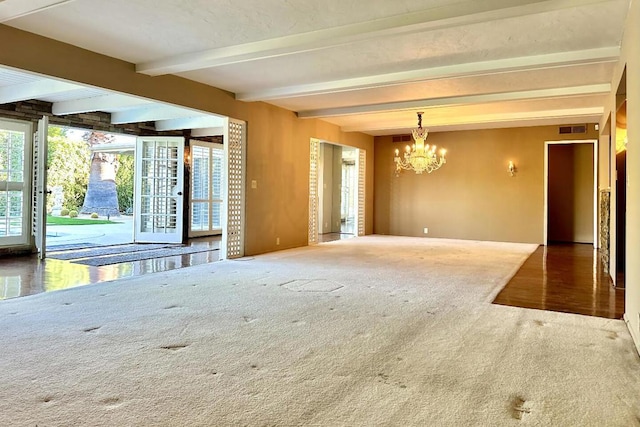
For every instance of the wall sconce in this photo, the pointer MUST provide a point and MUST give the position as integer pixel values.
(512, 168)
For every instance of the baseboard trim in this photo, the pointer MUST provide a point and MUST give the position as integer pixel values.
(634, 336)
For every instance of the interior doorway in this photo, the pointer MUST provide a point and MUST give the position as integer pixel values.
(349, 192)
(337, 192)
(570, 197)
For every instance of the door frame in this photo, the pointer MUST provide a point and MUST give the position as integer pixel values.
(39, 171)
(315, 190)
(596, 229)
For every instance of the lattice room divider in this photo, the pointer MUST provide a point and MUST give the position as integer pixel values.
(314, 156)
(235, 150)
(362, 159)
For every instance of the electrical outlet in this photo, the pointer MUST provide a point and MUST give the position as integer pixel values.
(277, 241)
(425, 230)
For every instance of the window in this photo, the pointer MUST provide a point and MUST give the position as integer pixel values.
(206, 188)
(14, 150)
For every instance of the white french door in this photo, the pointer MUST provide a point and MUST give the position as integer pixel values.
(39, 220)
(159, 172)
(207, 186)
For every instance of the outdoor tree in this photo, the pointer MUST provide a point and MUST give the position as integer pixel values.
(68, 167)
(124, 182)
(102, 196)
(70, 162)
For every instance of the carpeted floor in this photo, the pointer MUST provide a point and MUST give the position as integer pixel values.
(373, 331)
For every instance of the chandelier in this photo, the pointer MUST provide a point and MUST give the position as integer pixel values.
(420, 157)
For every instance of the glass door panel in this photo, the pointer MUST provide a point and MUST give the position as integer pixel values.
(159, 186)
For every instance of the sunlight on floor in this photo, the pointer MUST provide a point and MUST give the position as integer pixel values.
(26, 275)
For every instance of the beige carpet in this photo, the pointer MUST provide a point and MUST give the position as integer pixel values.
(373, 331)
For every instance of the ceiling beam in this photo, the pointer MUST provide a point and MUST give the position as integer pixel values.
(14, 9)
(404, 126)
(594, 89)
(472, 69)
(149, 114)
(108, 102)
(213, 131)
(447, 16)
(190, 123)
(569, 120)
(114, 147)
(34, 90)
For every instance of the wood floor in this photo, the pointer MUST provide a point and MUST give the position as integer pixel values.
(26, 275)
(564, 277)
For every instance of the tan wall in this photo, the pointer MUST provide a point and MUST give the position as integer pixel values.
(278, 159)
(472, 196)
(570, 195)
(277, 141)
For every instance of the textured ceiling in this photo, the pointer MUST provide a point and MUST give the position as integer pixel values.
(363, 65)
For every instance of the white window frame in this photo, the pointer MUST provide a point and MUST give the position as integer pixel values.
(27, 129)
(211, 146)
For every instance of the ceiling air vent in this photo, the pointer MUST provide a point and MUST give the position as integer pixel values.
(573, 129)
(401, 138)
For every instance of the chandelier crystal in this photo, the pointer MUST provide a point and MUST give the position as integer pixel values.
(420, 157)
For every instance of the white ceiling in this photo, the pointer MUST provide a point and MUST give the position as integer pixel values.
(364, 65)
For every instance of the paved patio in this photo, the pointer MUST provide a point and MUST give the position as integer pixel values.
(99, 234)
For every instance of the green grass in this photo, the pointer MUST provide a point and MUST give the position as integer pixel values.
(63, 220)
